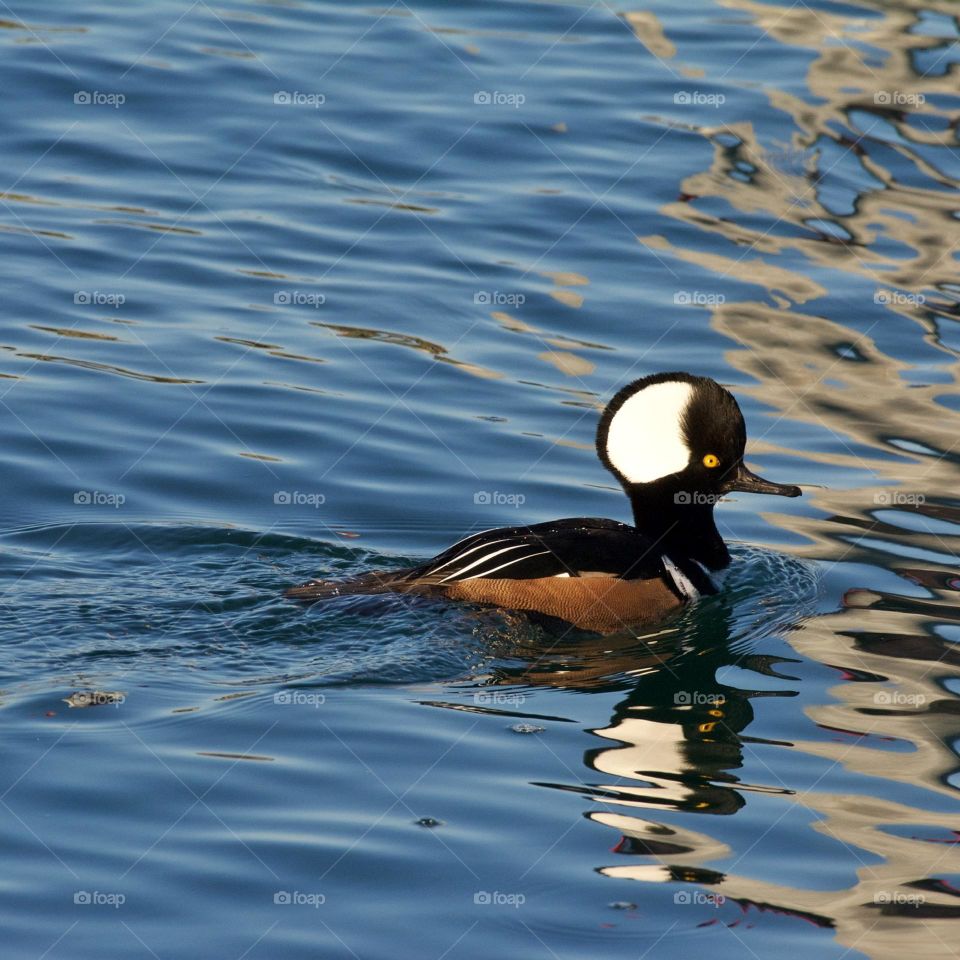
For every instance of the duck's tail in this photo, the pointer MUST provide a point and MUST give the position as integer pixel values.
(393, 581)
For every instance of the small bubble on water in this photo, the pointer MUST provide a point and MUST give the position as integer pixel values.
(527, 728)
(429, 822)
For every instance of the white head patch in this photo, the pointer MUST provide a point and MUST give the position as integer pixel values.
(645, 436)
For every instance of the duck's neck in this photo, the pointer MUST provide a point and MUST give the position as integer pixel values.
(681, 530)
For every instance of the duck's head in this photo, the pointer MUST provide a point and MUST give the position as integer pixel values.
(676, 442)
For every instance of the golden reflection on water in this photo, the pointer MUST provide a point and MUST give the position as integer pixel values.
(816, 371)
(892, 719)
(679, 737)
(870, 113)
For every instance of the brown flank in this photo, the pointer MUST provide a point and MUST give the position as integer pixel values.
(600, 604)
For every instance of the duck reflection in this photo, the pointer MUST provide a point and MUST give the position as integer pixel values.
(678, 740)
(676, 743)
(674, 740)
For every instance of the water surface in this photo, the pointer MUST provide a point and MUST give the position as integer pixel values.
(296, 288)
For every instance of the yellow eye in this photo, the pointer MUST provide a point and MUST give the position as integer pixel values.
(711, 461)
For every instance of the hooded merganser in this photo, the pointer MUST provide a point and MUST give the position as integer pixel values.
(675, 443)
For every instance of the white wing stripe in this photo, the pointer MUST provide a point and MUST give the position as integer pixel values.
(509, 563)
(467, 553)
(483, 559)
(681, 581)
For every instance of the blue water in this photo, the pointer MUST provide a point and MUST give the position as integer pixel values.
(297, 288)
